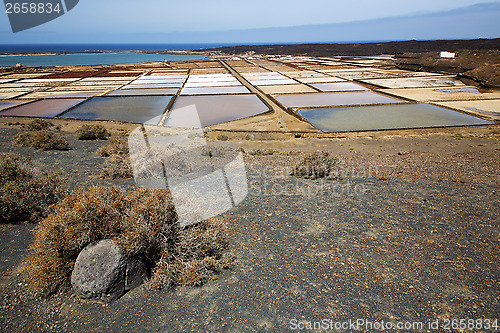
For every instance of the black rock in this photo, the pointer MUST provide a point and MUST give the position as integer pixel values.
(103, 273)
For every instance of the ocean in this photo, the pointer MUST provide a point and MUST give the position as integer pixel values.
(31, 48)
(81, 54)
(88, 58)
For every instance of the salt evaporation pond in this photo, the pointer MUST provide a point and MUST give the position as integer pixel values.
(379, 117)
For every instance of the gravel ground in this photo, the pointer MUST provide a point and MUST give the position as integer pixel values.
(410, 232)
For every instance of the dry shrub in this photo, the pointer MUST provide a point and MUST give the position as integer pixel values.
(26, 191)
(40, 136)
(117, 167)
(262, 152)
(215, 151)
(41, 139)
(317, 165)
(144, 221)
(222, 137)
(198, 256)
(92, 132)
(116, 146)
(37, 125)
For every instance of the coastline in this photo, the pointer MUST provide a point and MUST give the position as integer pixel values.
(310, 49)
(172, 52)
(475, 59)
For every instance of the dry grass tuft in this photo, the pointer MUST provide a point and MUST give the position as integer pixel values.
(198, 256)
(39, 135)
(37, 125)
(144, 221)
(222, 137)
(117, 145)
(26, 191)
(41, 139)
(117, 167)
(92, 132)
(317, 165)
(263, 152)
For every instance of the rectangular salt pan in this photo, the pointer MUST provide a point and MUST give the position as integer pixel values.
(19, 89)
(264, 76)
(215, 90)
(486, 107)
(287, 89)
(143, 92)
(416, 82)
(304, 74)
(334, 99)
(387, 117)
(247, 70)
(163, 77)
(214, 109)
(220, 77)
(151, 86)
(388, 73)
(9, 95)
(42, 108)
(75, 94)
(85, 88)
(321, 79)
(177, 82)
(8, 104)
(272, 82)
(99, 83)
(341, 86)
(30, 86)
(190, 81)
(47, 80)
(142, 109)
(211, 84)
(444, 94)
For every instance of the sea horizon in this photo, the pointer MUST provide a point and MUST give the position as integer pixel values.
(98, 47)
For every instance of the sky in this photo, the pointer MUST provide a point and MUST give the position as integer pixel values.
(97, 19)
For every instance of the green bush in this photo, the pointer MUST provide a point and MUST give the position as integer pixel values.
(41, 139)
(92, 132)
(144, 221)
(26, 191)
(317, 165)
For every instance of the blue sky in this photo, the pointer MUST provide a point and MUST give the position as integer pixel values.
(94, 20)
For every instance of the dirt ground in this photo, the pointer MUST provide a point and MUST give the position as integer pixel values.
(410, 232)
